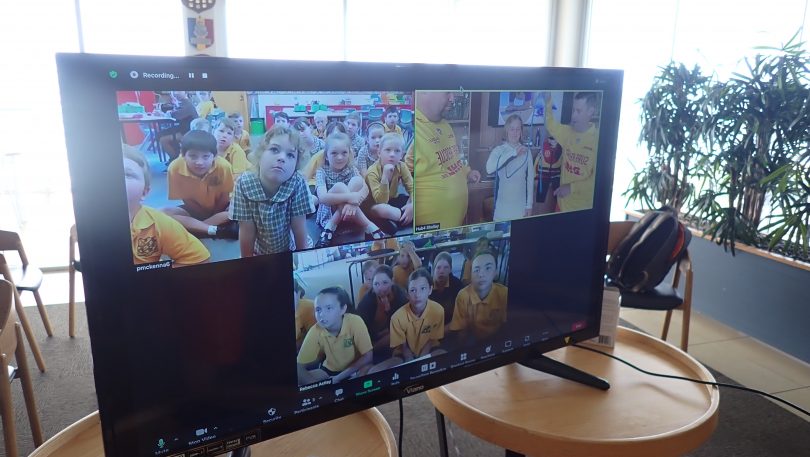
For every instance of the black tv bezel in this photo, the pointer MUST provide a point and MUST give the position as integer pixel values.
(83, 78)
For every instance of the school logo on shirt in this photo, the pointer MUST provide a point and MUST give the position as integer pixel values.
(146, 247)
(348, 342)
(427, 329)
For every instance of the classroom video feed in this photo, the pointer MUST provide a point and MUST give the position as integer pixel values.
(494, 156)
(368, 307)
(220, 175)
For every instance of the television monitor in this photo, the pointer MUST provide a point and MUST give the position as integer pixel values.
(250, 292)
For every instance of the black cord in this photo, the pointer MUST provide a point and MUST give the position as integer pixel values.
(698, 381)
(401, 420)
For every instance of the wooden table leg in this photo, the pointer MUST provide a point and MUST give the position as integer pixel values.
(29, 334)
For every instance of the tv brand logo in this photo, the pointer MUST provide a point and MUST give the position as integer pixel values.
(414, 389)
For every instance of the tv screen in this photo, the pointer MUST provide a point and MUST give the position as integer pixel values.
(267, 245)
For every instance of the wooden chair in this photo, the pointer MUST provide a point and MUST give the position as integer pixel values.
(28, 277)
(11, 342)
(74, 265)
(7, 274)
(665, 297)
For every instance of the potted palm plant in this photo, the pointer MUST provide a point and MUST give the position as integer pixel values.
(733, 157)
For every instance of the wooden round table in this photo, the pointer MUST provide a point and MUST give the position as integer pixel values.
(537, 414)
(363, 434)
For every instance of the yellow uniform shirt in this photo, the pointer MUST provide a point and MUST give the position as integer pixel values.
(407, 328)
(155, 234)
(304, 318)
(382, 194)
(440, 177)
(244, 140)
(315, 163)
(340, 351)
(483, 317)
(205, 108)
(401, 276)
(396, 129)
(388, 243)
(236, 156)
(579, 161)
(205, 191)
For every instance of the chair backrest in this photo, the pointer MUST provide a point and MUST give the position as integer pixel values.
(8, 339)
(10, 241)
(618, 230)
(74, 240)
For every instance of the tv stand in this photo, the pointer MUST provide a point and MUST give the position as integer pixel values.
(241, 452)
(559, 369)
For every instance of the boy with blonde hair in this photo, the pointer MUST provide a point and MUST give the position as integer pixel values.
(383, 178)
(321, 120)
(155, 234)
(271, 200)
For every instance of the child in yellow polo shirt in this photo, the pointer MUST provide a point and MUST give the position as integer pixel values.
(154, 234)
(206, 104)
(407, 262)
(383, 180)
(321, 120)
(227, 148)
(304, 314)
(204, 182)
(338, 343)
(241, 136)
(368, 269)
(391, 117)
(480, 307)
(416, 329)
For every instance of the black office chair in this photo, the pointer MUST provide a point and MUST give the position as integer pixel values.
(665, 296)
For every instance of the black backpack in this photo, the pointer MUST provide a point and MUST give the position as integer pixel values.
(644, 257)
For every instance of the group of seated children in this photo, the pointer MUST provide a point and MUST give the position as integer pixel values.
(356, 180)
(262, 199)
(392, 326)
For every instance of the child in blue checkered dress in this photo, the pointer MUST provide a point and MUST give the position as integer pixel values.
(341, 189)
(271, 200)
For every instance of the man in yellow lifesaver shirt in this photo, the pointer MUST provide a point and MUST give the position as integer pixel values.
(440, 176)
(579, 141)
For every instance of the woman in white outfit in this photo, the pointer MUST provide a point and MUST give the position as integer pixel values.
(514, 173)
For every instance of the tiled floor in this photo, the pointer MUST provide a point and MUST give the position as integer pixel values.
(738, 356)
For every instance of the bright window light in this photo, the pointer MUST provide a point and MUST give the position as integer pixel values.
(305, 30)
(511, 32)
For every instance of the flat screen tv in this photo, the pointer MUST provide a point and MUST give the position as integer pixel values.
(267, 245)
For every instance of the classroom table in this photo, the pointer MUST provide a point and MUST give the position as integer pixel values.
(152, 123)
